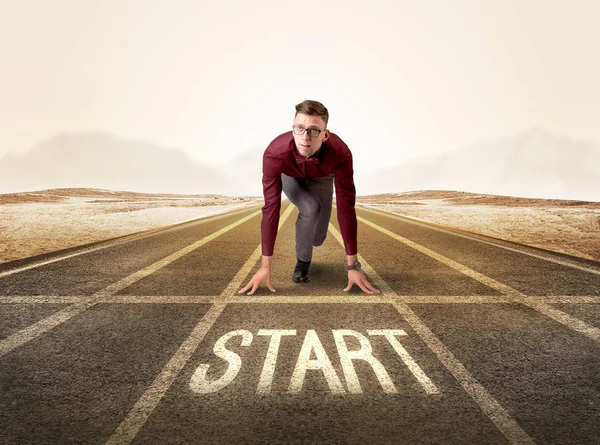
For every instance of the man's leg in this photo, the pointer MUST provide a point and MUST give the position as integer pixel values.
(323, 189)
(313, 199)
(298, 192)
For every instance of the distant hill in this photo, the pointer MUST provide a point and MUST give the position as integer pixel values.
(99, 195)
(450, 197)
(534, 164)
(96, 160)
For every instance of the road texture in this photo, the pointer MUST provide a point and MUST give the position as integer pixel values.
(147, 340)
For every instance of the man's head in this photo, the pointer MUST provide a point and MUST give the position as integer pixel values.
(310, 117)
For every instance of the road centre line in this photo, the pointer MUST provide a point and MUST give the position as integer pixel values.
(434, 226)
(25, 335)
(518, 297)
(490, 406)
(110, 243)
(130, 426)
(292, 299)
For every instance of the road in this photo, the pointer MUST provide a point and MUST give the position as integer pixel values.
(147, 340)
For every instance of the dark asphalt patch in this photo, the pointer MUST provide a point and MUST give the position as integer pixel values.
(17, 316)
(588, 312)
(545, 374)
(409, 272)
(206, 270)
(527, 274)
(237, 414)
(78, 381)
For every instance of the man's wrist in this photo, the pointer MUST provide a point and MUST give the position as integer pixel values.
(351, 259)
(352, 262)
(266, 262)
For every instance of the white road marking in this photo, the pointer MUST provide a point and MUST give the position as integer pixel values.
(300, 299)
(365, 353)
(390, 335)
(490, 406)
(321, 362)
(559, 316)
(268, 371)
(138, 415)
(433, 226)
(200, 384)
(20, 338)
(107, 243)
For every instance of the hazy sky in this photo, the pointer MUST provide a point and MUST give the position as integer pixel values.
(401, 79)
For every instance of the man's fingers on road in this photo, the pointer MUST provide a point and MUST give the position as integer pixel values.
(364, 288)
(371, 287)
(244, 288)
(254, 287)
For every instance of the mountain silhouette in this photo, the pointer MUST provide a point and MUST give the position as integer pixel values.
(97, 160)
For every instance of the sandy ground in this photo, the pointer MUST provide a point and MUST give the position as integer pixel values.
(36, 223)
(571, 227)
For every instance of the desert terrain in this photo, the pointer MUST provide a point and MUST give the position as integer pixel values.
(565, 226)
(32, 223)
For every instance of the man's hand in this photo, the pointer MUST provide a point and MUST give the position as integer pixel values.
(359, 278)
(263, 274)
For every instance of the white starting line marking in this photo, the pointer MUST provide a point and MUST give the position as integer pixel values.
(490, 406)
(138, 415)
(293, 299)
(518, 297)
(44, 325)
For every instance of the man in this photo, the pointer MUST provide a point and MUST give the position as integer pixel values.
(303, 163)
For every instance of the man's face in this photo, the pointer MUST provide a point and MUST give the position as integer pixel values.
(307, 145)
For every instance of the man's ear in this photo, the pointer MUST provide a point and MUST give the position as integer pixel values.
(326, 135)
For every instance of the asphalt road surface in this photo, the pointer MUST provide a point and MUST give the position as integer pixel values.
(147, 340)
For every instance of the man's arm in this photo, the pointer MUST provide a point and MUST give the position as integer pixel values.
(345, 194)
(272, 188)
(345, 197)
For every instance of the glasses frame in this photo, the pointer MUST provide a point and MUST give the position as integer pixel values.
(319, 131)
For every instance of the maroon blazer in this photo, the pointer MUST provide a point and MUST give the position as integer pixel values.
(335, 157)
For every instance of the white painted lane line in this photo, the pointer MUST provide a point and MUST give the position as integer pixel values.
(138, 415)
(559, 316)
(20, 338)
(43, 299)
(109, 243)
(441, 229)
(490, 406)
(300, 299)
(129, 280)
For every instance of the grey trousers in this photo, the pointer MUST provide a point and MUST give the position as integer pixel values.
(312, 197)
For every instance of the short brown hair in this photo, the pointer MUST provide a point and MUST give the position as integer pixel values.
(313, 108)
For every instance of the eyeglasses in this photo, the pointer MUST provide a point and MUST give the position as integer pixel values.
(312, 132)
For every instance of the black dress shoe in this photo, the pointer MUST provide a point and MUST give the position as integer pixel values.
(301, 272)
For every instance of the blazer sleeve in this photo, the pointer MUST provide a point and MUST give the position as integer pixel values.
(345, 197)
(272, 187)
